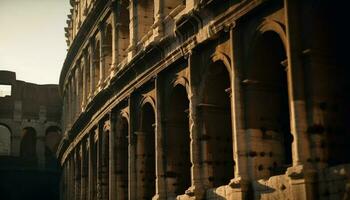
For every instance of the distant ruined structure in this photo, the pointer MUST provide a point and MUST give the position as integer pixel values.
(205, 99)
(29, 136)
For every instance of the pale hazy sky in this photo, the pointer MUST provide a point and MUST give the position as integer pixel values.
(32, 41)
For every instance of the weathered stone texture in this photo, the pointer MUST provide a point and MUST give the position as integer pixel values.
(205, 99)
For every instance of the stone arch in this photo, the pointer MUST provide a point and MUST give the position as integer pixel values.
(225, 59)
(5, 139)
(215, 108)
(28, 146)
(145, 151)
(177, 141)
(145, 18)
(268, 26)
(147, 100)
(267, 102)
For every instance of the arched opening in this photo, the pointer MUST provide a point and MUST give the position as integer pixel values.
(216, 112)
(170, 5)
(146, 153)
(87, 77)
(107, 51)
(28, 146)
(93, 163)
(5, 140)
(80, 87)
(124, 32)
(96, 63)
(52, 139)
(178, 163)
(122, 158)
(105, 165)
(267, 107)
(145, 17)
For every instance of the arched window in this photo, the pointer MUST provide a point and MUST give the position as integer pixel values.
(5, 140)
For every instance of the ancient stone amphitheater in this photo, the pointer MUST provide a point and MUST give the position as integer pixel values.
(205, 99)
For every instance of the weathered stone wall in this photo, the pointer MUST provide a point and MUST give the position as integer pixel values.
(29, 105)
(205, 100)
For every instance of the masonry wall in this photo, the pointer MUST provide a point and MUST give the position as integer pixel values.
(214, 100)
(30, 131)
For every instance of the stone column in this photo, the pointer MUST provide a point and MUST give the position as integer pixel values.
(240, 182)
(159, 157)
(133, 28)
(199, 181)
(301, 151)
(112, 160)
(301, 173)
(158, 19)
(115, 37)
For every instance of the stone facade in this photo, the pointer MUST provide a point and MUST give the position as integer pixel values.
(205, 99)
(30, 132)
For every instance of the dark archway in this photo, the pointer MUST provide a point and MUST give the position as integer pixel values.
(28, 146)
(52, 139)
(107, 51)
(146, 153)
(122, 158)
(5, 140)
(96, 65)
(216, 112)
(267, 106)
(178, 168)
(105, 163)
